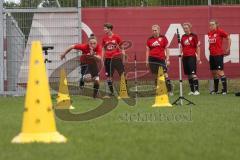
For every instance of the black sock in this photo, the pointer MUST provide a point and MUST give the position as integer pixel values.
(224, 83)
(216, 82)
(191, 84)
(110, 85)
(95, 89)
(196, 85)
(81, 82)
(169, 85)
(155, 82)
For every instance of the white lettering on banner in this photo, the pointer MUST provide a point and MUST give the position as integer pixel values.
(86, 29)
(207, 53)
(234, 50)
(233, 57)
(172, 30)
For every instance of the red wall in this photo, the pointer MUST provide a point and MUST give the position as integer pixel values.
(135, 24)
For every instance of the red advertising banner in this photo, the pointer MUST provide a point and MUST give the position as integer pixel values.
(135, 24)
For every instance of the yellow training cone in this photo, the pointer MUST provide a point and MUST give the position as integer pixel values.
(38, 118)
(161, 99)
(63, 98)
(123, 88)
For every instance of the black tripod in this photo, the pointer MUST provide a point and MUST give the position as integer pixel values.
(181, 98)
(45, 49)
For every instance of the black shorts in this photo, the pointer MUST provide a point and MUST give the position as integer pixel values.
(189, 65)
(155, 63)
(91, 68)
(112, 64)
(216, 62)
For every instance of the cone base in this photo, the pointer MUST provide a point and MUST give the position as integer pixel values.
(64, 107)
(106, 97)
(71, 107)
(123, 97)
(162, 105)
(51, 137)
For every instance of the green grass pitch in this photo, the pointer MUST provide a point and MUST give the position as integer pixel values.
(209, 130)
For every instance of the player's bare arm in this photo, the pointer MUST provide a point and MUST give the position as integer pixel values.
(198, 52)
(103, 51)
(97, 57)
(147, 55)
(62, 56)
(229, 41)
(167, 56)
(123, 52)
(94, 55)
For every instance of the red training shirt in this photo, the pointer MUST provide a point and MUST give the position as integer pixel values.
(157, 47)
(111, 50)
(189, 44)
(86, 51)
(215, 39)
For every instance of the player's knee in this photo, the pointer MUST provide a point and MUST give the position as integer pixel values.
(189, 76)
(96, 82)
(194, 76)
(220, 73)
(97, 79)
(214, 73)
(109, 78)
(166, 75)
(87, 78)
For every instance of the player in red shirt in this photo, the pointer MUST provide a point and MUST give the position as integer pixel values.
(89, 61)
(112, 54)
(190, 49)
(216, 36)
(157, 54)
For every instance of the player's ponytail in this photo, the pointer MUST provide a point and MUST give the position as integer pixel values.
(92, 36)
